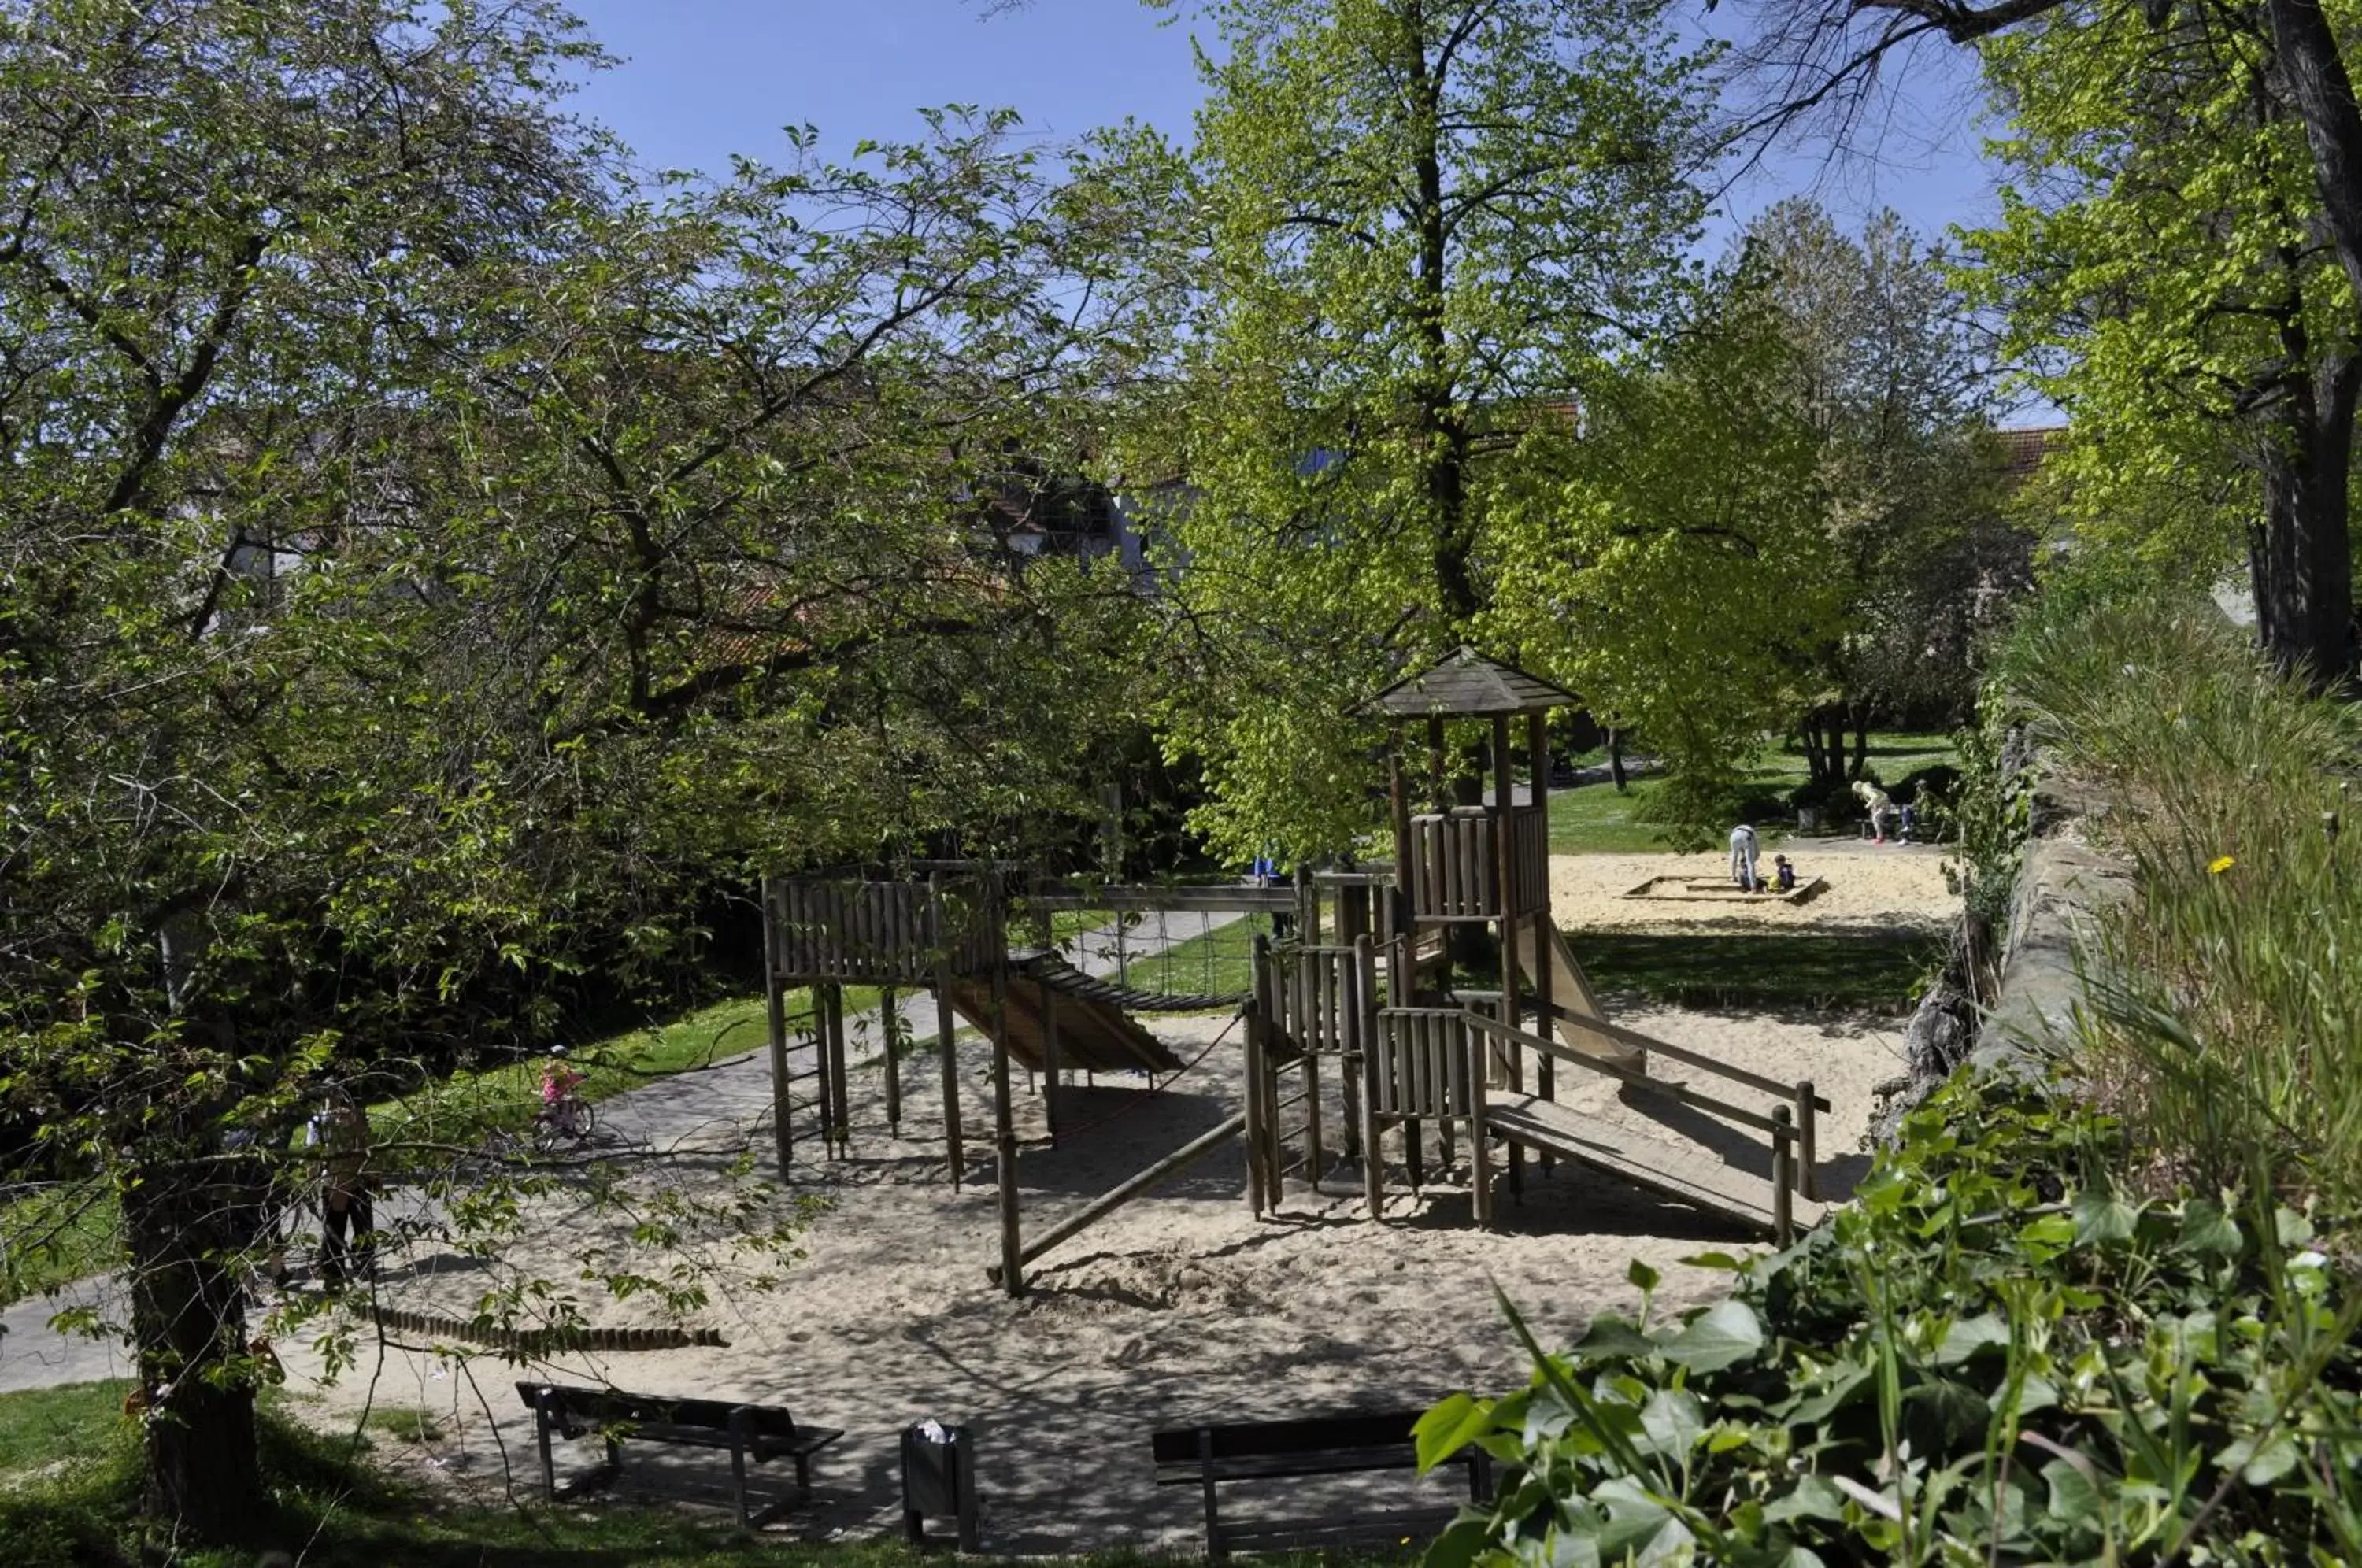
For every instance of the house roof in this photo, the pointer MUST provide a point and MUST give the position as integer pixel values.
(1465, 684)
(2022, 451)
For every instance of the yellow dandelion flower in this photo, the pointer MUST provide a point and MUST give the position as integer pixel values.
(2220, 864)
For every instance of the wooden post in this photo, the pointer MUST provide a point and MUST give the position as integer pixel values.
(1405, 924)
(1783, 1174)
(775, 999)
(1807, 1155)
(1049, 1059)
(1480, 1159)
(1539, 920)
(1259, 1195)
(841, 1105)
(1004, 1134)
(1309, 1038)
(946, 1028)
(889, 1024)
(1505, 867)
(1365, 1031)
(823, 1066)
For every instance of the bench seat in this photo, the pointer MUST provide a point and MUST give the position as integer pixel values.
(1213, 1456)
(756, 1432)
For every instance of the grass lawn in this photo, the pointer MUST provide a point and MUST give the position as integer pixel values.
(1775, 970)
(67, 1232)
(1594, 819)
(333, 1506)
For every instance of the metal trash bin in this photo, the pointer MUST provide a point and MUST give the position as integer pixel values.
(939, 1478)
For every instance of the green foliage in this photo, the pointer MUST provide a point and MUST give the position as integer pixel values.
(1426, 228)
(1993, 1354)
(2160, 264)
(2224, 995)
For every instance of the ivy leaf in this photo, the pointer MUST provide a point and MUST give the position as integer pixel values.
(2075, 1497)
(1942, 1417)
(2210, 1232)
(1723, 1335)
(2102, 1217)
(1448, 1427)
(1841, 1391)
(1611, 1338)
(1723, 1260)
(1964, 1338)
(1811, 1498)
(2261, 1466)
(1674, 1421)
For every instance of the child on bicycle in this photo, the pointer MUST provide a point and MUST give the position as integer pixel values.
(558, 1082)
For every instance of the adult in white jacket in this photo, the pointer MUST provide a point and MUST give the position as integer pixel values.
(1742, 856)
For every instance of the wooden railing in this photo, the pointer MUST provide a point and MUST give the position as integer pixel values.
(1455, 863)
(879, 933)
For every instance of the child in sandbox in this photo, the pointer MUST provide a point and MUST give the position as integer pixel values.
(1784, 873)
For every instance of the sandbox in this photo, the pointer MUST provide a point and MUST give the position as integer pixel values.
(1688, 889)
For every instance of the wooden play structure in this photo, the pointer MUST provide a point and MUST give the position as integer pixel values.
(1413, 1049)
(1374, 1008)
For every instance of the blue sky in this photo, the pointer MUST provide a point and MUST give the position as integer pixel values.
(704, 79)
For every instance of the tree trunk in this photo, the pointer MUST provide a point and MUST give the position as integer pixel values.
(1860, 743)
(188, 1320)
(1616, 759)
(1824, 735)
(2300, 559)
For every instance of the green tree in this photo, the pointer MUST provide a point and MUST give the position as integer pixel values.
(1883, 368)
(2274, 80)
(1674, 557)
(428, 562)
(2160, 260)
(1427, 224)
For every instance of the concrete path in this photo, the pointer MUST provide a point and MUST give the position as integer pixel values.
(711, 1110)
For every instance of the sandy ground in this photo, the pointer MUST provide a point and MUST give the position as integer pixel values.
(1178, 1308)
(1870, 887)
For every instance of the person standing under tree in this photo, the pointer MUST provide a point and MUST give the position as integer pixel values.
(1743, 849)
(347, 1217)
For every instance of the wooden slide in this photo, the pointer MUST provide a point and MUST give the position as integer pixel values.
(1570, 992)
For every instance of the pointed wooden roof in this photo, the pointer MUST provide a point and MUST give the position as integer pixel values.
(1465, 684)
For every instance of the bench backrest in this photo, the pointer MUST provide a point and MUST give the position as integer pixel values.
(1318, 1434)
(611, 1407)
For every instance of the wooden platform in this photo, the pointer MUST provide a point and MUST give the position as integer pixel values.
(1092, 1033)
(1685, 1173)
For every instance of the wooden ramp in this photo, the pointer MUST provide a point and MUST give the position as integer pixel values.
(1689, 1174)
(1093, 1034)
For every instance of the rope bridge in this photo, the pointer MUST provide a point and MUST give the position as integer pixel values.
(1053, 970)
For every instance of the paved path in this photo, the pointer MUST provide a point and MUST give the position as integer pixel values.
(710, 1110)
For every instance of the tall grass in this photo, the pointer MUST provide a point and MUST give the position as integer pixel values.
(2226, 995)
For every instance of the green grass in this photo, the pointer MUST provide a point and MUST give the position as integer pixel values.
(1775, 970)
(68, 1232)
(508, 1094)
(56, 1236)
(1596, 819)
(335, 1505)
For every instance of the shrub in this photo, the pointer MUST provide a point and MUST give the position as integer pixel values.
(2226, 993)
(1992, 1355)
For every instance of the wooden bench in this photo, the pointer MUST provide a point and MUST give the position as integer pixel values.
(1213, 1456)
(748, 1432)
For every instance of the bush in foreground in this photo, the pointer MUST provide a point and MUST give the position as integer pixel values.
(1994, 1356)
